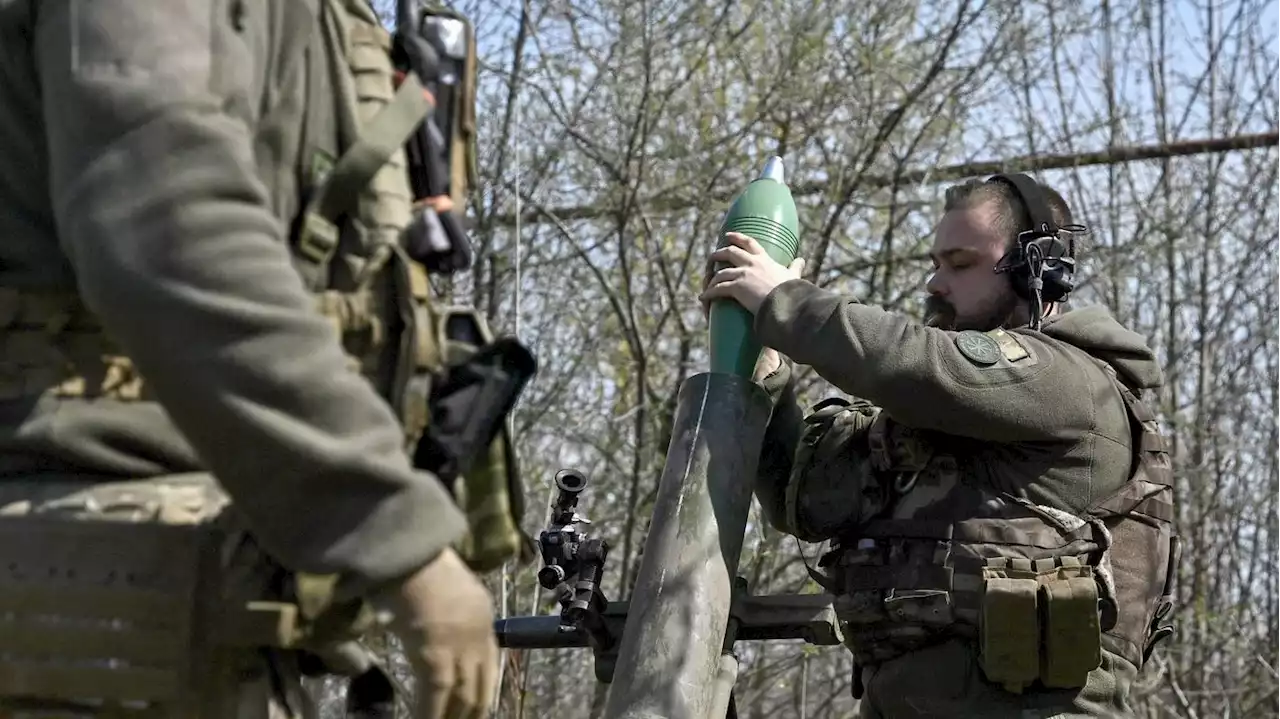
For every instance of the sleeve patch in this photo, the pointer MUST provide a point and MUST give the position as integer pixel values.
(1009, 345)
(978, 348)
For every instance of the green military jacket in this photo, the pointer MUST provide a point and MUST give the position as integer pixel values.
(1036, 417)
(153, 158)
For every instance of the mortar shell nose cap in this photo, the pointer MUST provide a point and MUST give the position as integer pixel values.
(773, 170)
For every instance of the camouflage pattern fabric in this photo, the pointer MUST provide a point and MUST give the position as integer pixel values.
(264, 686)
(198, 275)
(171, 130)
(945, 681)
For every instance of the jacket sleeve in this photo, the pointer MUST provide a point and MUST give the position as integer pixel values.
(169, 233)
(960, 383)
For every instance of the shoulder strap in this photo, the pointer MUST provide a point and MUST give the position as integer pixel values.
(333, 184)
(334, 196)
(1150, 472)
(1148, 442)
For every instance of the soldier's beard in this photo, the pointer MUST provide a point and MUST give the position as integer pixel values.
(939, 313)
(942, 314)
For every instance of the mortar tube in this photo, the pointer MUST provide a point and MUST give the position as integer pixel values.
(672, 645)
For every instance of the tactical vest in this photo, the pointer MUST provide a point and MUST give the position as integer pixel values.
(348, 247)
(346, 244)
(1041, 591)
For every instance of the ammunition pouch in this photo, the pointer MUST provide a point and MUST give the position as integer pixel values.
(1041, 592)
(1039, 621)
(833, 486)
(467, 442)
(905, 584)
(163, 615)
(900, 452)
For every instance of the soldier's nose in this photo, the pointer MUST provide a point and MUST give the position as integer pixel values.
(933, 285)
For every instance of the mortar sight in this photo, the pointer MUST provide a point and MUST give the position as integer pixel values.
(571, 481)
(571, 484)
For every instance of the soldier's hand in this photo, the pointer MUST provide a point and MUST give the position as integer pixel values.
(444, 617)
(770, 361)
(750, 275)
(708, 272)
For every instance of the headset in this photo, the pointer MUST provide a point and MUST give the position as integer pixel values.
(1041, 264)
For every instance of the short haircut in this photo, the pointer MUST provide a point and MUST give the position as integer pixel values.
(1012, 217)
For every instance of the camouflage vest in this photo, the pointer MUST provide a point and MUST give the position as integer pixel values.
(1041, 591)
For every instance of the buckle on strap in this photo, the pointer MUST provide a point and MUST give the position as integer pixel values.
(386, 133)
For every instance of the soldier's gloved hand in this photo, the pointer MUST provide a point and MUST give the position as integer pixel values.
(444, 617)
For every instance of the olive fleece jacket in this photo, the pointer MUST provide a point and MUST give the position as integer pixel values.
(1047, 424)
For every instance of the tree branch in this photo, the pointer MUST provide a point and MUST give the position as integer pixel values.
(1024, 163)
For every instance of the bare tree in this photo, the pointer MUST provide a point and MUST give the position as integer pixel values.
(612, 134)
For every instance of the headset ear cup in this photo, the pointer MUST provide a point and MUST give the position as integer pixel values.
(1054, 251)
(1059, 271)
(1056, 273)
(1058, 282)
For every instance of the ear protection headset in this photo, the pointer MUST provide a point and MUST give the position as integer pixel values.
(1041, 264)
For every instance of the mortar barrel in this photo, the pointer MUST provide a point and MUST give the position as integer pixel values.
(669, 657)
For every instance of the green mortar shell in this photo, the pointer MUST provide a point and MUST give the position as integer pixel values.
(766, 212)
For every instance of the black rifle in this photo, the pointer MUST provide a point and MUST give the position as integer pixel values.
(434, 48)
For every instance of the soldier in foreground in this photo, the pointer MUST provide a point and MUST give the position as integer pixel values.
(996, 495)
(176, 205)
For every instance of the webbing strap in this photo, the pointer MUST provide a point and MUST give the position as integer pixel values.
(104, 683)
(1017, 531)
(1132, 498)
(81, 641)
(938, 530)
(1139, 408)
(386, 133)
(900, 577)
(129, 604)
(115, 611)
(1140, 415)
(1152, 442)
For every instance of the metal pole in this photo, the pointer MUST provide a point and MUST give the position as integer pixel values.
(672, 646)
